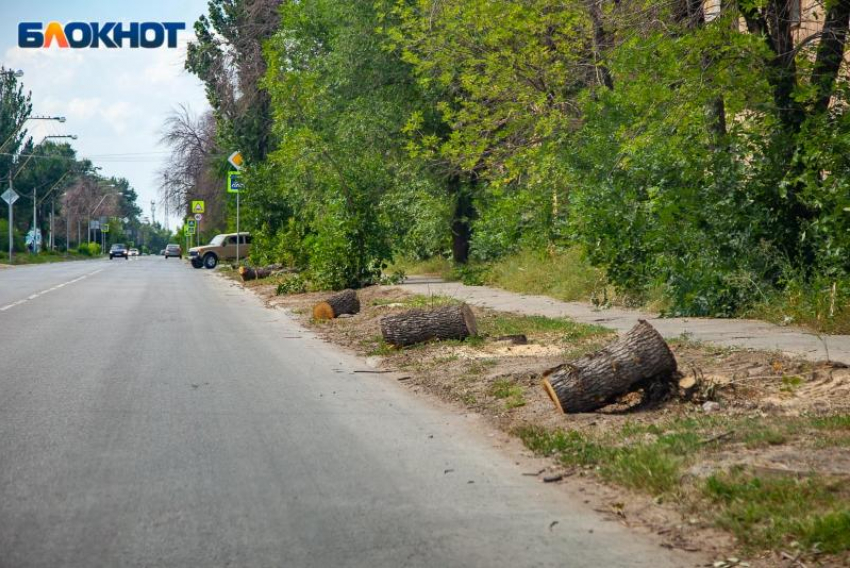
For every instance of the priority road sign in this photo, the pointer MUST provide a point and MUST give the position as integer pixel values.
(234, 182)
(10, 196)
(197, 207)
(236, 160)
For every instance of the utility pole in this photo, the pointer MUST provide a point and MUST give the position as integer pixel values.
(153, 212)
(34, 219)
(52, 219)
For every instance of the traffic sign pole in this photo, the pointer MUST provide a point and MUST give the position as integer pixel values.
(10, 231)
(9, 196)
(238, 236)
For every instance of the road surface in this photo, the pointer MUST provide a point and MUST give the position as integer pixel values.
(154, 415)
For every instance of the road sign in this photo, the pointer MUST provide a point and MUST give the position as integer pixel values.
(105, 228)
(197, 207)
(10, 196)
(198, 216)
(234, 182)
(29, 238)
(190, 226)
(236, 160)
(95, 225)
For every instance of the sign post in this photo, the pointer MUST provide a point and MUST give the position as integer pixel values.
(10, 196)
(198, 208)
(234, 185)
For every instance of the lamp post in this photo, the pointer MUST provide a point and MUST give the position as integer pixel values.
(35, 189)
(19, 73)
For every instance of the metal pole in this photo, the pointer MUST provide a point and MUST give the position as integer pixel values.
(11, 205)
(52, 224)
(11, 217)
(238, 236)
(34, 220)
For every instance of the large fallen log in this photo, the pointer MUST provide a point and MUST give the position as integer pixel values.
(640, 359)
(417, 326)
(345, 302)
(257, 273)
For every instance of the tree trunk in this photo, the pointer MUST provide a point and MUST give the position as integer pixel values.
(602, 42)
(345, 302)
(461, 220)
(637, 360)
(248, 273)
(416, 326)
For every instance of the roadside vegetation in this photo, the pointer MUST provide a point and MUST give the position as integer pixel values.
(641, 153)
(45, 257)
(759, 449)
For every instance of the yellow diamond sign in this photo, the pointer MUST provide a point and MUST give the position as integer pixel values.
(197, 207)
(236, 160)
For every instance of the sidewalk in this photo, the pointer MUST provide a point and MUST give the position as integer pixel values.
(752, 334)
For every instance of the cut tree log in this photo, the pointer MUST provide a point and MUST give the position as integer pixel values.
(417, 326)
(256, 273)
(641, 359)
(345, 302)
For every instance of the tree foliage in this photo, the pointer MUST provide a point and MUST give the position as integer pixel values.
(700, 153)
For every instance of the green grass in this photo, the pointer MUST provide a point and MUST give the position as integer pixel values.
(513, 324)
(418, 301)
(511, 393)
(766, 512)
(22, 258)
(762, 512)
(436, 266)
(565, 275)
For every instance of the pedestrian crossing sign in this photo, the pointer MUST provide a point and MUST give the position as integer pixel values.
(197, 207)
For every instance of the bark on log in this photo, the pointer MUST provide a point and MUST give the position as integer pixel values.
(345, 302)
(416, 326)
(639, 359)
(249, 273)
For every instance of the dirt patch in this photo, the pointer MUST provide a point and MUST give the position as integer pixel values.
(769, 415)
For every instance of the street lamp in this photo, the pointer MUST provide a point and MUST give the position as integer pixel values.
(35, 189)
(60, 119)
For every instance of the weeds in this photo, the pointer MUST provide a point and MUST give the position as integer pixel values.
(764, 512)
(513, 394)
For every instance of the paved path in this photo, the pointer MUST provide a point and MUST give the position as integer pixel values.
(155, 415)
(752, 334)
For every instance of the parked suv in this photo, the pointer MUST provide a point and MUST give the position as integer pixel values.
(221, 247)
(117, 250)
(173, 250)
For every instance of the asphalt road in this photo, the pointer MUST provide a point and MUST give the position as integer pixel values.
(155, 415)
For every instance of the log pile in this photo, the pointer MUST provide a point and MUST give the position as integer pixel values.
(345, 302)
(417, 326)
(640, 360)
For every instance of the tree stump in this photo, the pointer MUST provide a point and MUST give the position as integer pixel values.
(639, 359)
(345, 302)
(416, 326)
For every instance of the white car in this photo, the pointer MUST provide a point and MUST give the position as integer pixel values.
(134, 252)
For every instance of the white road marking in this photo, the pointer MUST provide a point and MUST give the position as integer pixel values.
(43, 292)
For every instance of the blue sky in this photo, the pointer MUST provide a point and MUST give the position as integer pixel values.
(115, 100)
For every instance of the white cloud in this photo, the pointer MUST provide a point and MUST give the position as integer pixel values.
(117, 114)
(82, 109)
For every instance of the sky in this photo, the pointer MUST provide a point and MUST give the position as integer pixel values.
(115, 100)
